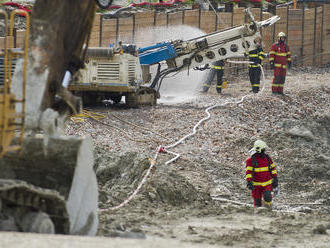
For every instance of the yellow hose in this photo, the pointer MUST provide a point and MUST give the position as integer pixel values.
(86, 114)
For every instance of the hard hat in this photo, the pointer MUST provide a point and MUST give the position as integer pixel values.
(281, 34)
(259, 145)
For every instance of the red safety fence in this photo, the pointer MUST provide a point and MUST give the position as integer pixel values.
(149, 4)
(17, 6)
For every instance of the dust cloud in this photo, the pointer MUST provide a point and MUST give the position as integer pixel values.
(179, 87)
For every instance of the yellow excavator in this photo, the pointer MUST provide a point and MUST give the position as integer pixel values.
(47, 181)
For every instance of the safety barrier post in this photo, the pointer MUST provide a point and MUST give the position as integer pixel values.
(117, 29)
(261, 19)
(100, 32)
(314, 38)
(166, 19)
(322, 22)
(133, 29)
(199, 17)
(216, 23)
(155, 18)
(302, 32)
(287, 22)
(274, 26)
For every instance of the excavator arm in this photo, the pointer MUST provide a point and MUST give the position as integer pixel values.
(48, 184)
(59, 30)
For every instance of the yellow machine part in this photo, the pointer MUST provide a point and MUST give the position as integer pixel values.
(7, 121)
(49, 182)
(9, 118)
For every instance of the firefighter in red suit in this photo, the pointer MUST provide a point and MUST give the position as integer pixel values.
(279, 59)
(261, 175)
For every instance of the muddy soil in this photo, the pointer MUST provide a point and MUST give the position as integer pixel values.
(201, 198)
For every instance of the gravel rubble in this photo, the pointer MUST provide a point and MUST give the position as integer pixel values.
(211, 166)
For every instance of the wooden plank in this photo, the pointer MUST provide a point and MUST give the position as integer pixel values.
(191, 18)
(208, 19)
(161, 19)
(144, 18)
(224, 20)
(256, 13)
(125, 30)
(175, 18)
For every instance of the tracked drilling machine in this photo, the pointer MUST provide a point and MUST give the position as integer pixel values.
(47, 182)
(113, 72)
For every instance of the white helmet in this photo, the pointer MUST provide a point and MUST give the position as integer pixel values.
(259, 146)
(281, 34)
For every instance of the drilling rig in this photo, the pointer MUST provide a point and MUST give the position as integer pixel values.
(124, 70)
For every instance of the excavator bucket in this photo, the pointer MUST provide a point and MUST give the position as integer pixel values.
(56, 179)
(47, 181)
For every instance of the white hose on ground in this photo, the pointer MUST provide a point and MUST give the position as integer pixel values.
(177, 155)
(208, 115)
(144, 179)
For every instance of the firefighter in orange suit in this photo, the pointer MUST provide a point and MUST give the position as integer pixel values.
(261, 175)
(279, 59)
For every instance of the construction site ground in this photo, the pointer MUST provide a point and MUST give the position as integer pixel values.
(201, 199)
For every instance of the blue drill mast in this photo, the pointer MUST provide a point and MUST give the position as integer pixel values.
(156, 53)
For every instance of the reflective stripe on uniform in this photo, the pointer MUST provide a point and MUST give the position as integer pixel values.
(260, 169)
(274, 172)
(262, 183)
(272, 165)
(219, 86)
(248, 176)
(276, 85)
(281, 54)
(217, 67)
(253, 55)
(280, 66)
(271, 59)
(255, 85)
(271, 52)
(253, 65)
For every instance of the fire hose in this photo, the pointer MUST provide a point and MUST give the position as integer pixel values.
(165, 149)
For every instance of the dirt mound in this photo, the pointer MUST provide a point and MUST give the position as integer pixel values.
(118, 176)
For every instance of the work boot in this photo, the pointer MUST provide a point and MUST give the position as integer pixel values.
(268, 205)
(255, 90)
(219, 89)
(260, 210)
(205, 89)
